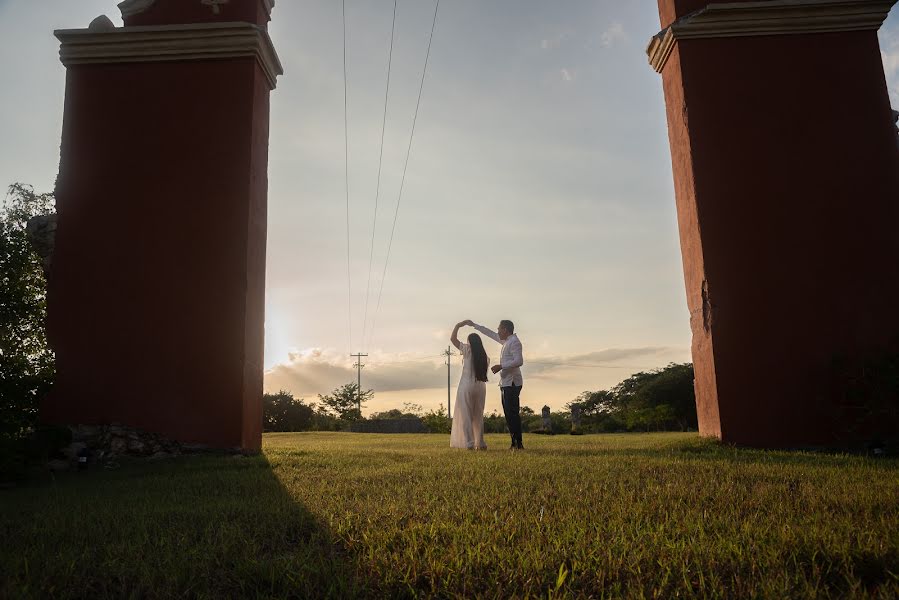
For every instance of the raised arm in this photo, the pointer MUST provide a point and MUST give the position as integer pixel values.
(488, 332)
(454, 338)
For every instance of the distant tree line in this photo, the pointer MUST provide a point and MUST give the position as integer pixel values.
(658, 400)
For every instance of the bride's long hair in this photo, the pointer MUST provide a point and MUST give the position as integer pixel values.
(478, 357)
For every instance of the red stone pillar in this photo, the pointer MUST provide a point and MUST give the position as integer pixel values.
(156, 297)
(787, 186)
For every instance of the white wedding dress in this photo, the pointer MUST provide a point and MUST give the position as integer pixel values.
(468, 415)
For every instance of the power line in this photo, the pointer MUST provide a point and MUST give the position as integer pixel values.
(449, 356)
(396, 213)
(346, 175)
(374, 223)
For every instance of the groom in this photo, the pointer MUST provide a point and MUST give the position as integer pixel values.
(509, 368)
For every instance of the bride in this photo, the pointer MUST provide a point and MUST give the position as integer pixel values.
(468, 416)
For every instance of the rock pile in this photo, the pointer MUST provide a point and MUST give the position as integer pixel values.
(104, 444)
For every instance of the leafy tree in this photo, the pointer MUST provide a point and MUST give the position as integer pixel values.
(343, 402)
(283, 412)
(662, 399)
(26, 361)
(410, 408)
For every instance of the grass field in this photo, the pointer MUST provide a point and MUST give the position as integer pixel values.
(344, 515)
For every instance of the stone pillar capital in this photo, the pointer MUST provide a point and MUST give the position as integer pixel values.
(165, 43)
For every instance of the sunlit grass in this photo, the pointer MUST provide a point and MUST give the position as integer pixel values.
(655, 515)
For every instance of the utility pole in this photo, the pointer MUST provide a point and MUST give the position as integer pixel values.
(448, 354)
(358, 356)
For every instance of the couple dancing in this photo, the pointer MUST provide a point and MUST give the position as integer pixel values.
(468, 416)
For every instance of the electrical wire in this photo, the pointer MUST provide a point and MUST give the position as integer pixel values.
(405, 167)
(374, 223)
(346, 155)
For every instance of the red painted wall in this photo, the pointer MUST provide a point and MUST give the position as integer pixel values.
(787, 181)
(157, 290)
(691, 250)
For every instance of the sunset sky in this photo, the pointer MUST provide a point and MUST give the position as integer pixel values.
(538, 188)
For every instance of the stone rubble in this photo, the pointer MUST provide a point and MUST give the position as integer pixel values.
(104, 444)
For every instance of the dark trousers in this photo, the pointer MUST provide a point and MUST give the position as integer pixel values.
(511, 408)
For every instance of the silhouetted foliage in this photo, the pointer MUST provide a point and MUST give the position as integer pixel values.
(342, 402)
(26, 361)
(283, 412)
(658, 400)
(865, 390)
(393, 413)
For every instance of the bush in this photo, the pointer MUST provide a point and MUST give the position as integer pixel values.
(437, 421)
(283, 412)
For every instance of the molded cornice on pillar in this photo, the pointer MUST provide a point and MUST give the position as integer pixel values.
(170, 43)
(782, 17)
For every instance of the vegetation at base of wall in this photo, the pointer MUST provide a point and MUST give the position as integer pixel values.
(657, 400)
(26, 363)
(864, 397)
(319, 515)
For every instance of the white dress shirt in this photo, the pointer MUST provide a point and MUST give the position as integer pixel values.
(510, 359)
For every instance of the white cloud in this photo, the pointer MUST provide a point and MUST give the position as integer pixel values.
(556, 40)
(567, 74)
(612, 35)
(317, 371)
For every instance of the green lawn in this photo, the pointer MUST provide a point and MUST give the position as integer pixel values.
(341, 515)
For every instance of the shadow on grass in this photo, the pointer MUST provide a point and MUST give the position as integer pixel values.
(706, 449)
(200, 526)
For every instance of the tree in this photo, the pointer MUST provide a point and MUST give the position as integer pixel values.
(342, 402)
(662, 399)
(26, 361)
(283, 412)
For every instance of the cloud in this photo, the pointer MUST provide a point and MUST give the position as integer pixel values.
(316, 371)
(567, 74)
(555, 41)
(612, 35)
(610, 358)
